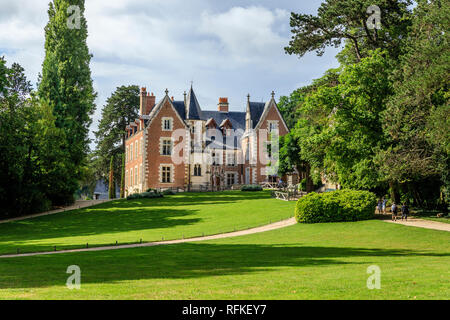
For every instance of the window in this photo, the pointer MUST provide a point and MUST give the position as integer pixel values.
(231, 179)
(197, 170)
(131, 176)
(166, 149)
(231, 159)
(167, 124)
(269, 150)
(131, 152)
(136, 174)
(136, 149)
(166, 174)
(273, 126)
(215, 159)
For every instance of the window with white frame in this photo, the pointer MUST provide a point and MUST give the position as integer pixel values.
(197, 170)
(231, 179)
(131, 152)
(166, 146)
(136, 149)
(269, 150)
(231, 159)
(166, 174)
(167, 124)
(215, 158)
(131, 176)
(273, 126)
(136, 175)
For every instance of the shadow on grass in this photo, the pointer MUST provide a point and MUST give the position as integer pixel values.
(101, 221)
(115, 217)
(181, 261)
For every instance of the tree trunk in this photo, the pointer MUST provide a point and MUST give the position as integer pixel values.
(309, 182)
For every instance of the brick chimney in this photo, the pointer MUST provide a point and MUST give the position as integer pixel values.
(223, 104)
(147, 102)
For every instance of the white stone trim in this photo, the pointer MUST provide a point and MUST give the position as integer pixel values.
(164, 119)
(161, 141)
(266, 111)
(172, 173)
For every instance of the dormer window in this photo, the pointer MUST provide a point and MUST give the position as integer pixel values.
(273, 126)
(167, 124)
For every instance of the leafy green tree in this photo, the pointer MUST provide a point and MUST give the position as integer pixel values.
(290, 105)
(417, 117)
(341, 126)
(122, 178)
(340, 21)
(290, 159)
(121, 108)
(18, 83)
(67, 86)
(111, 188)
(3, 77)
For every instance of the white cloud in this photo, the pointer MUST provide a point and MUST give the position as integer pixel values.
(247, 34)
(229, 48)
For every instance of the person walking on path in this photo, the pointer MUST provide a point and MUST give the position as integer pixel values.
(384, 205)
(405, 212)
(394, 212)
(380, 206)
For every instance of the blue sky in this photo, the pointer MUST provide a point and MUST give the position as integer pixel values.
(227, 48)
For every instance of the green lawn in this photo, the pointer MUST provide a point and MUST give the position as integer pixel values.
(322, 261)
(172, 217)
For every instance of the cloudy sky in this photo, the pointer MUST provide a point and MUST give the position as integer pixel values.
(227, 48)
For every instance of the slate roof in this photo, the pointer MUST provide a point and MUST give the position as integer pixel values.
(237, 119)
(256, 111)
(193, 110)
(181, 108)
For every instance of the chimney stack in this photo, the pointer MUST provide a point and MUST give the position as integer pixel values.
(223, 104)
(147, 102)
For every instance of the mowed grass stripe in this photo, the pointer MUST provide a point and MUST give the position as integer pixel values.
(323, 261)
(173, 217)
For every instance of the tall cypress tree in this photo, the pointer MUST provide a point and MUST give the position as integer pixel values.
(66, 84)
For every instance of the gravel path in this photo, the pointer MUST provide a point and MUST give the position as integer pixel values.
(414, 222)
(273, 226)
(77, 205)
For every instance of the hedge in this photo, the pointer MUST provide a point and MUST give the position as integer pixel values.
(336, 206)
(251, 187)
(168, 192)
(144, 195)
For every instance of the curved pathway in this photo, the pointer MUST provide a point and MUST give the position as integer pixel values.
(273, 226)
(420, 223)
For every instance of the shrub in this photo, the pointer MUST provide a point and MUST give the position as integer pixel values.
(341, 205)
(251, 187)
(168, 192)
(144, 195)
(302, 185)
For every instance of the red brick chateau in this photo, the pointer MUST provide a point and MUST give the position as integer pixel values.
(177, 144)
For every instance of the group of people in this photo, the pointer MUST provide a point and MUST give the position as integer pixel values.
(394, 209)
